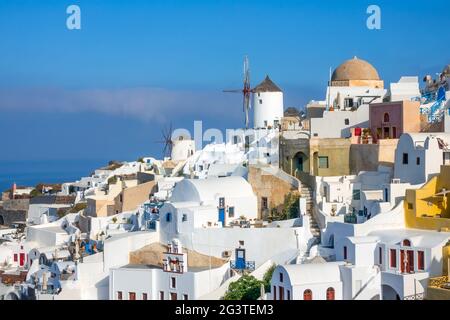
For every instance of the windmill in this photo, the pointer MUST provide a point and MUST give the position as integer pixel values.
(245, 91)
(167, 140)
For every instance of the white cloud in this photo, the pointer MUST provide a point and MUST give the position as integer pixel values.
(147, 104)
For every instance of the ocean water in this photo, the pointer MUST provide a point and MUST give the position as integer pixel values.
(30, 173)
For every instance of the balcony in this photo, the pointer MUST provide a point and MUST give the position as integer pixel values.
(438, 289)
(248, 265)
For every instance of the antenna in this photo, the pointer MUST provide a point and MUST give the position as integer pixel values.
(329, 85)
(245, 91)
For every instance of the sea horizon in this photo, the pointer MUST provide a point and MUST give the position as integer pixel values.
(32, 172)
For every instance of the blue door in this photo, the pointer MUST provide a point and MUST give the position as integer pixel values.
(222, 215)
(240, 259)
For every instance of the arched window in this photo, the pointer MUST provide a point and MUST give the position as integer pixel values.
(307, 294)
(406, 243)
(330, 293)
(386, 117)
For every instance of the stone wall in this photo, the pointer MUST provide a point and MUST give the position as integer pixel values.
(16, 204)
(53, 200)
(270, 186)
(7, 217)
(367, 157)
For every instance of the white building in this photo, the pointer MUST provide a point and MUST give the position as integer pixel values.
(309, 281)
(212, 202)
(392, 264)
(352, 87)
(407, 88)
(268, 104)
(182, 148)
(419, 156)
(173, 281)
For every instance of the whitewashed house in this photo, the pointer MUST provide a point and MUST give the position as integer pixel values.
(212, 202)
(419, 156)
(173, 281)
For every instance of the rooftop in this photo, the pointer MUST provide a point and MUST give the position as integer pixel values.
(355, 69)
(267, 85)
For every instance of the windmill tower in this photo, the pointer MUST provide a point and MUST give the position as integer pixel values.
(267, 101)
(268, 104)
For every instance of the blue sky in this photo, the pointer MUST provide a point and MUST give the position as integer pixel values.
(105, 91)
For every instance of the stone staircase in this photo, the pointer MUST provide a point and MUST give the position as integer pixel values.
(307, 192)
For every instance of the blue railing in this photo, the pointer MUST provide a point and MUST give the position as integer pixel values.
(249, 265)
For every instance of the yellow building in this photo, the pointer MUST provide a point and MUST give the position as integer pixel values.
(428, 207)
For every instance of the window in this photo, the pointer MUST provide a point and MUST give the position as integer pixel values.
(386, 117)
(406, 243)
(173, 282)
(418, 161)
(265, 123)
(330, 293)
(380, 255)
(168, 217)
(288, 294)
(420, 260)
(184, 218)
(393, 258)
(161, 295)
(15, 257)
(144, 296)
(394, 132)
(260, 101)
(357, 194)
(274, 292)
(323, 162)
(231, 212)
(221, 202)
(410, 206)
(345, 252)
(131, 295)
(405, 158)
(348, 103)
(281, 277)
(185, 297)
(119, 295)
(264, 203)
(307, 294)
(347, 122)
(173, 296)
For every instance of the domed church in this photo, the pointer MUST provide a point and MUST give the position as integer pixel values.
(356, 73)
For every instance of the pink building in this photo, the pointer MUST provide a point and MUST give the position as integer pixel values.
(389, 120)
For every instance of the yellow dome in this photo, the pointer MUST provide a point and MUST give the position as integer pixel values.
(355, 69)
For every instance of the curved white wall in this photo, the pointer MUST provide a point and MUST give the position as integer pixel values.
(268, 106)
(182, 149)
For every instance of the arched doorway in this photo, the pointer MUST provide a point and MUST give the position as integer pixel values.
(389, 293)
(307, 294)
(2, 221)
(299, 163)
(330, 293)
(12, 296)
